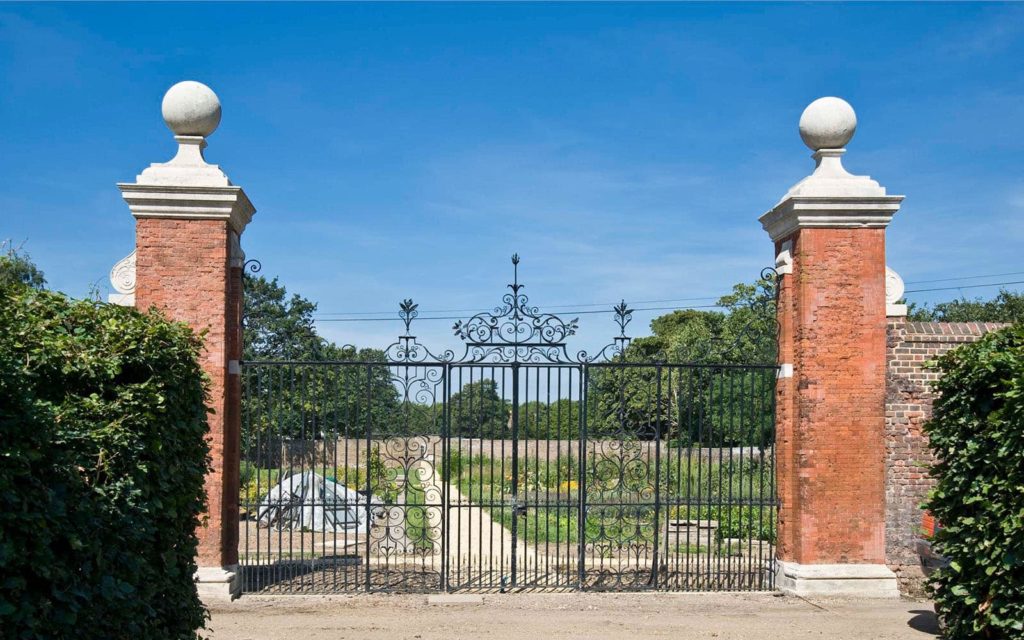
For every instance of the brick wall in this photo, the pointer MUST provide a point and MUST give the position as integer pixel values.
(830, 422)
(908, 406)
(182, 269)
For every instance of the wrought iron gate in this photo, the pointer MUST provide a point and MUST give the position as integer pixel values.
(513, 465)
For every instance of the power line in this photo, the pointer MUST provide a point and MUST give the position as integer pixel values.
(320, 316)
(395, 318)
(966, 286)
(990, 275)
(557, 306)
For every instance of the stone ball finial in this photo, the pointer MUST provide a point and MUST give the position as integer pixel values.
(191, 109)
(828, 123)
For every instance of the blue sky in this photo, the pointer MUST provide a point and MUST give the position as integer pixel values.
(623, 150)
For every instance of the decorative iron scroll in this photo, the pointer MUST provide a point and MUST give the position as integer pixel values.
(515, 331)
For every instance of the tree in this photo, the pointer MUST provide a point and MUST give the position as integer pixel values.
(716, 402)
(558, 420)
(278, 327)
(307, 399)
(16, 267)
(477, 411)
(1007, 306)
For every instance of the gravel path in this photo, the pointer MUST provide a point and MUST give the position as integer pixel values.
(572, 615)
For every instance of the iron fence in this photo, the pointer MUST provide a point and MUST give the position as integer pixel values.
(510, 466)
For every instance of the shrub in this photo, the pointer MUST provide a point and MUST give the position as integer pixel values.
(977, 433)
(456, 462)
(102, 459)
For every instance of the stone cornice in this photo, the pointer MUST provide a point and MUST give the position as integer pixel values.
(189, 203)
(803, 212)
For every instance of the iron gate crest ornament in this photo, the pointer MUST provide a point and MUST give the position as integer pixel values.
(515, 331)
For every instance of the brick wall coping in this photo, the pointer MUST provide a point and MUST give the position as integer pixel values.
(949, 331)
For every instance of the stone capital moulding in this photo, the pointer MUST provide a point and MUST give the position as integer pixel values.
(831, 197)
(188, 187)
(189, 203)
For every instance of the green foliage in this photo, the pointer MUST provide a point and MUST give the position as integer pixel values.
(977, 433)
(102, 460)
(278, 327)
(307, 401)
(477, 411)
(739, 495)
(453, 466)
(710, 406)
(743, 334)
(17, 268)
(316, 401)
(557, 420)
(1007, 307)
(254, 483)
(418, 528)
(721, 402)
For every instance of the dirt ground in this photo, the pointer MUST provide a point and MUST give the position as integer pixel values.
(557, 616)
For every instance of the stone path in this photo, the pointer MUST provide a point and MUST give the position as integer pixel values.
(475, 540)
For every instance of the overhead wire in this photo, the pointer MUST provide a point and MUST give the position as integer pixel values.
(989, 275)
(419, 318)
(320, 317)
(557, 306)
(965, 286)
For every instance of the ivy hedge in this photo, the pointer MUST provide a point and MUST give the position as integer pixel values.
(977, 432)
(102, 459)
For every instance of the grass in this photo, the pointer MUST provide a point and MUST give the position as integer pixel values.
(620, 488)
(620, 495)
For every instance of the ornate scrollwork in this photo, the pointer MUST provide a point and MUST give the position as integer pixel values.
(407, 312)
(515, 331)
(252, 265)
(122, 275)
(516, 328)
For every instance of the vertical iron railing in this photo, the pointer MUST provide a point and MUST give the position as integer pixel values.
(514, 465)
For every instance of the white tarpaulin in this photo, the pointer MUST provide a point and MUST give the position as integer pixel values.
(310, 502)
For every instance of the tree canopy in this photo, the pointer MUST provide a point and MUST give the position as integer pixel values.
(16, 267)
(743, 332)
(720, 401)
(714, 386)
(478, 411)
(1007, 306)
(307, 401)
(279, 327)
